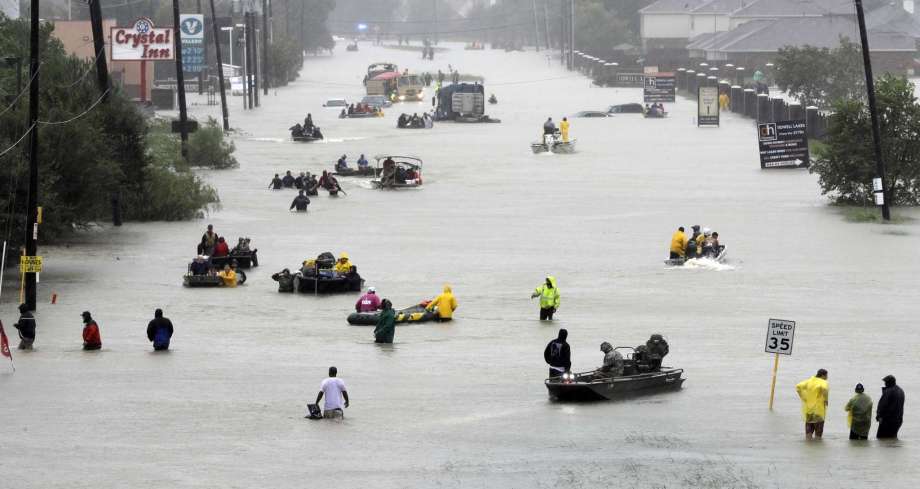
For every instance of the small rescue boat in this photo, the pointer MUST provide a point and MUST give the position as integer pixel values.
(552, 143)
(592, 386)
(679, 262)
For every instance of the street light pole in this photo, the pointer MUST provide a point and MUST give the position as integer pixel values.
(873, 110)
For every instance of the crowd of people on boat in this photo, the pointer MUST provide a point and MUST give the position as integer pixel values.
(394, 174)
(406, 121)
(360, 109)
(324, 267)
(307, 129)
(655, 110)
(699, 244)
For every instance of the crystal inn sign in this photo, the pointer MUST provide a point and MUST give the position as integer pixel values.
(142, 42)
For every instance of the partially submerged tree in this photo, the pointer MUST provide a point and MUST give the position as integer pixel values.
(846, 163)
(820, 76)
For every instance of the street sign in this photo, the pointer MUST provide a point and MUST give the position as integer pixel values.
(30, 264)
(192, 28)
(783, 144)
(191, 126)
(780, 334)
(707, 107)
(659, 87)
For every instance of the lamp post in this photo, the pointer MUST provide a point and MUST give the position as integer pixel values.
(229, 30)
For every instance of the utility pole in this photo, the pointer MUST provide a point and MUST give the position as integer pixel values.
(562, 34)
(546, 25)
(256, 60)
(201, 73)
(102, 70)
(220, 65)
(264, 41)
(31, 281)
(873, 111)
(180, 81)
(572, 36)
(247, 33)
(536, 27)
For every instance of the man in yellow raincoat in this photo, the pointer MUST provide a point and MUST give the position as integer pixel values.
(549, 298)
(342, 265)
(228, 276)
(813, 393)
(679, 243)
(446, 304)
(564, 129)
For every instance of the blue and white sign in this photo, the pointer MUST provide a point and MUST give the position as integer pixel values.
(192, 28)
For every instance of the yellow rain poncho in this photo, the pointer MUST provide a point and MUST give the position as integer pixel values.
(679, 243)
(564, 129)
(228, 277)
(813, 393)
(343, 265)
(446, 303)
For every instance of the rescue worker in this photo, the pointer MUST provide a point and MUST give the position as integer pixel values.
(341, 164)
(890, 413)
(276, 183)
(26, 326)
(342, 265)
(549, 127)
(300, 202)
(558, 355)
(91, 338)
(285, 280)
(445, 303)
(564, 129)
(723, 101)
(386, 323)
(208, 240)
(368, 302)
(308, 124)
(613, 361)
(814, 393)
(678, 244)
(159, 331)
(694, 243)
(227, 276)
(362, 162)
(656, 348)
(288, 180)
(548, 293)
(859, 414)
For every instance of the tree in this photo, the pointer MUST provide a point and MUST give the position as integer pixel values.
(820, 76)
(846, 163)
(597, 29)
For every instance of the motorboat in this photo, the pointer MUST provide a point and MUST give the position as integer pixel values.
(553, 143)
(678, 262)
(594, 386)
(398, 172)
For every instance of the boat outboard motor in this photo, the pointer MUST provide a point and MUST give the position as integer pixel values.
(549, 140)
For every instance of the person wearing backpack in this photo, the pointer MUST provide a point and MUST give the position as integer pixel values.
(558, 355)
(159, 331)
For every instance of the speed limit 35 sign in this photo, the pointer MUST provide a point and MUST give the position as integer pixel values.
(780, 334)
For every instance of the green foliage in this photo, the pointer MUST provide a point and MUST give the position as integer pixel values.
(820, 76)
(286, 61)
(846, 164)
(100, 154)
(208, 148)
(597, 28)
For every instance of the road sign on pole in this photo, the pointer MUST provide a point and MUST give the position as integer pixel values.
(30, 264)
(780, 334)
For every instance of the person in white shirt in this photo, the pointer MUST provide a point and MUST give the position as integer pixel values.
(333, 388)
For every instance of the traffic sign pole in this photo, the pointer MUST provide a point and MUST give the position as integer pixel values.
(773, 384)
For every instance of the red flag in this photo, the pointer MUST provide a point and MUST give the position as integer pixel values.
(5, 344)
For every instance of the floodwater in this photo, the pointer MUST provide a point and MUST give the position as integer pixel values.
(462, 404)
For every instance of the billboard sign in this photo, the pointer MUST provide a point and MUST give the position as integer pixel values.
(191, 26)
(707, 107)
(142, 42)
(783, 144)
(659, 87)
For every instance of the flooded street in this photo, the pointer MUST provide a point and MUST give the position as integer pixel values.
(463, 404)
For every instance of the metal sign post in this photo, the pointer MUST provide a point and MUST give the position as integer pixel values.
(780, 334)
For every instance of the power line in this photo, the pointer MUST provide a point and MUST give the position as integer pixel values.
(7, 150)
(87, 111)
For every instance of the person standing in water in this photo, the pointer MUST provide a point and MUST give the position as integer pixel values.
(558, 355)
(859, 414)
(333, 388)
(386, 324)
(91, 338)
(159, 331)
(890, 413)
(814, 392)
(445, 303)
(549, 298)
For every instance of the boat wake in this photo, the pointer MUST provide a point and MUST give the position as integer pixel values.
(706, 264)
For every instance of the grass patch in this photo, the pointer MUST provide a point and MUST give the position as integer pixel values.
(871, 215)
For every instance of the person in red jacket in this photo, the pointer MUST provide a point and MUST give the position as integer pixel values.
(91, 338)
(221, 248)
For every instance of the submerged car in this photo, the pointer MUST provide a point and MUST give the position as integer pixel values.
(376, 101)
(336, 102)
(626, 109)
(591, 113)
